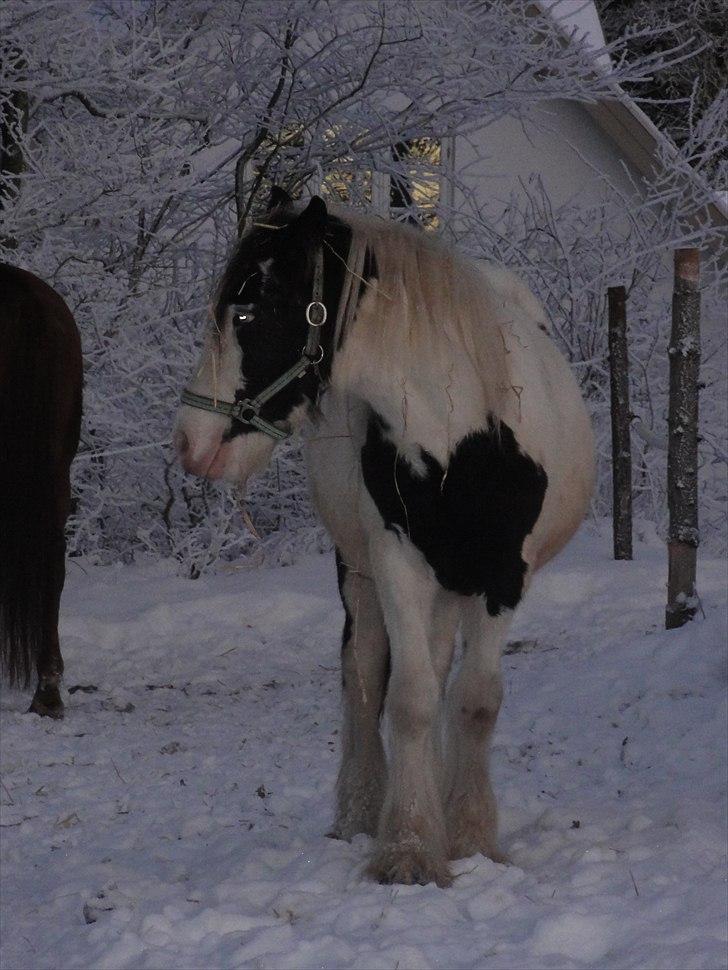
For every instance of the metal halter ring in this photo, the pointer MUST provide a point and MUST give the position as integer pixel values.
(318, 359)
(324, 314)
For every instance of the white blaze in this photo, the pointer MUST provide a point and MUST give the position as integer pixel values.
(199, 433)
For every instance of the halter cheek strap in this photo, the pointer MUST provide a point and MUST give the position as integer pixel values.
(247, 411)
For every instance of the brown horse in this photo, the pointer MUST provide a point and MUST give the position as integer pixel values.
(40, 417)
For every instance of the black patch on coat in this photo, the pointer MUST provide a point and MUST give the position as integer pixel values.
(469, 523)
(341, 571)
(370, 270)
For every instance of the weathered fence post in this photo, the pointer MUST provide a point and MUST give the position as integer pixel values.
(621, 445)
(682, 449)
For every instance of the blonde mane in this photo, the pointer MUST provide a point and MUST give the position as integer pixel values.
(427, 305)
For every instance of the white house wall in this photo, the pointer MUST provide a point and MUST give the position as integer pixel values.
(577, 161)
(562, 145)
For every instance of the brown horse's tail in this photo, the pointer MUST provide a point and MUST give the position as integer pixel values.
(34, 460)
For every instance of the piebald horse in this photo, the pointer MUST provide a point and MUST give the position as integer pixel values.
(450, 456)
(40, 419)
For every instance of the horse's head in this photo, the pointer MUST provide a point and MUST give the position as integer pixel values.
(257, 335)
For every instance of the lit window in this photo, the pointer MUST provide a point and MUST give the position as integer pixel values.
(415, 182)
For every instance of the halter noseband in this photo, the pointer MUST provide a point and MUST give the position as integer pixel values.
(247, 411)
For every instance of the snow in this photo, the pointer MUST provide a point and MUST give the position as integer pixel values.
(177, 816)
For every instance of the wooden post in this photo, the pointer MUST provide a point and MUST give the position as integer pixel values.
(621, 445)
(682, 447)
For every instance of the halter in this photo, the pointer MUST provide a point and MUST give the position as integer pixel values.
(247, 411)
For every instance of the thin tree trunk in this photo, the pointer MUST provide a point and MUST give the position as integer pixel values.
(243, 205)
(621, 444)
(682, 452)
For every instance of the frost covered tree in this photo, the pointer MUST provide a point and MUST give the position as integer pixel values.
(674, 92)
(140, 138)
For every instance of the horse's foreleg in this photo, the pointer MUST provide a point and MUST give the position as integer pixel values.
(446, 610)
(364, 667)
(473, 703)
(412, 844)
(443, 630)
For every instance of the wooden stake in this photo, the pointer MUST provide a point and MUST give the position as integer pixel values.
(682, 449)
(621, 444)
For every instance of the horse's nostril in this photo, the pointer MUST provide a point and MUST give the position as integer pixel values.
(181, 442)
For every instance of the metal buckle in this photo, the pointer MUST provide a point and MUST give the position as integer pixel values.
(324, 313)
(245, 411)
(311, 360)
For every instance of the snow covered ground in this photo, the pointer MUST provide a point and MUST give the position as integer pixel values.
(177, 817)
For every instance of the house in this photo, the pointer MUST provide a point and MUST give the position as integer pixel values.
(568, 153)
(583, 154)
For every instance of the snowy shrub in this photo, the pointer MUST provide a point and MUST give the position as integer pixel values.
(141, 138)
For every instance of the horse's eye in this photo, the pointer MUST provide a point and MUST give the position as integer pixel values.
(242, 315)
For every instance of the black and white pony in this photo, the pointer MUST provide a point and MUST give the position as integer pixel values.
(450, 456)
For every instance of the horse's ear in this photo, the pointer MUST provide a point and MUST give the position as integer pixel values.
(312, 221)
(278, 197)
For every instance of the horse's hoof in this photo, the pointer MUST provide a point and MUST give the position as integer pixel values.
(472, 825)
(463, 848)
(47, 703)
(465, 851)
(408, 867)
